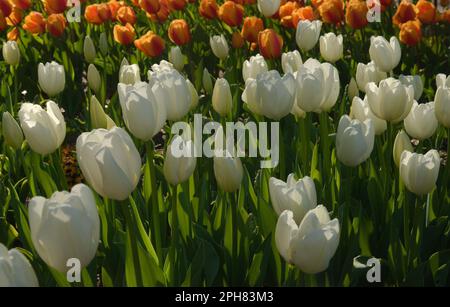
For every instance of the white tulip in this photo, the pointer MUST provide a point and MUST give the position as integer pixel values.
(307, 34)
(317, 86)
(361, 111)
(419, 172)
(194, 94)
(391, 100)
(253, 67)
(268, 7)
(298, 196)
(143, 114)
(94, 78)
(65, 226)
(171, 89)
(109, 161)
(421, 122)
(156, 68)
(222, 100)
(354, 140)
(11, 53)
(416, 83)
(442, 80)
(291, 61)
(386, 55)
(180, 161)
(353, 90)
(44, 130)
(270, 94)
(207, 81)
(89, 49)
(331, 47)
(228, 171)
(311, 245)
(99, 119)
(52, 78)
(366, 73)
(401, 143)
(15, 269)
(129, 74)
(442, 105)
(219, 46)
(11, 131)
(176, 58)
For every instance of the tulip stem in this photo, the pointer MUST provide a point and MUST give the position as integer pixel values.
(174, 227)
(234, 224)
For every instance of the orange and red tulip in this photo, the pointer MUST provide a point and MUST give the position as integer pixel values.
(406, 11)
(13, 35)
(231, 13)
(179, 32)
(270, 44)
(251, 28)
(5, 7)
(237, 41)
(150, 6)
(91, 14)
(126, 15)
(34, 23)
(356, 14)
(303, 13)
(426, 11)
(411, 32)
(209, 9)
(56, 24)
(332, 11)
(114, 7)
(177, 5)
(124, 35)
(55, 6)
(15, 17)
(22, 4)
(151, 44)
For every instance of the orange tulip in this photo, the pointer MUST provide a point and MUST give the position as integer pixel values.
(332, 11)
(91, 14)
(270, 44)
(124, 35)
(317, 3)
(151, 44)
(411, 32)
(303, 13)
(34, 23)
(150, 6)
(104, 12)
(285, 13)
(356, 14)
(231, 13)
(427, 11)
(177, 5)
(446, 16)
(5, 7)
(126, 15)
(114, 7)
(209, 9)
(237, 41)
(55, 6)
(13, 35)
(22, 4)
(251, 28)
(15, 17)
(179, 32)
(406, 11)
(56, 23)
(3, 24)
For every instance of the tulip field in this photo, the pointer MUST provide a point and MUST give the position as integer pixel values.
(261, 143)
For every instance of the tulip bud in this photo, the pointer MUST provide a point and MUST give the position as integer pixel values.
(207, 82)
(194, 94)
(253, 67)
(352, 89)
(219, 46)
(291, 61)
(354, 140)
(401, 143)
(89, 49)
(366, 73)
(180, 162)
(65, 226)
(442, 105)
(139, 104)
(103, 43)
(176, 58)
(311, 245)
(52, 78)
(109, 161)
(228, 172)
(361, 111)
(298, 196)
(307, 34)
(99, 119)
(222, 100)
(268, 7)
(442, 80)
(260, 93)
(331, 47)
(15, 269)
(11, 131)
(419, 172)
(94, 79)
(391, 101)
(421, 122)
(386, 55)
(129, 74)
(44, 130)
(11, 53)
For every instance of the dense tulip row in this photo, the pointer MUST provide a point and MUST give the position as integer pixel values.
(96, 175)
